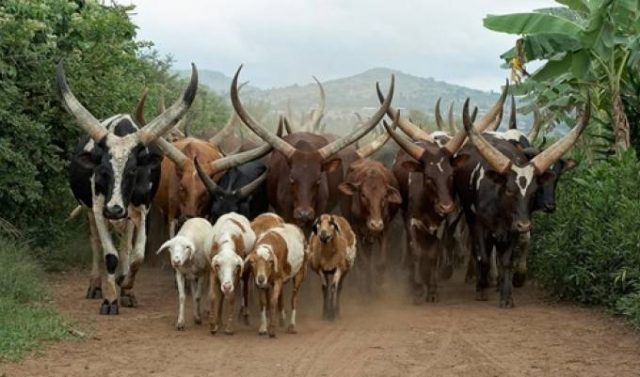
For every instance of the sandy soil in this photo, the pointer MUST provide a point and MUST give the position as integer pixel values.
(387, 336)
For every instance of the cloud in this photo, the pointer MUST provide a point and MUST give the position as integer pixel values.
(286, 41)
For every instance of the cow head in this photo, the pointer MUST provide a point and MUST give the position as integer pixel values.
(546, 195)
(116, 156)
(436, 160)
(516, 177)
(371, 193)
(307, 167)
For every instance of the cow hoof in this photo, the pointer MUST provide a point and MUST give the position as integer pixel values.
(213, 329)
(94, 293)
(180, 326)
(519, 278)
(228, 331)
(128, 300)
(507, 304)
(119, 280)
(291, 330)
(432, 297)
(113, 308)
(262, 332)
(104, 307)
(272, 335)
(482, 296)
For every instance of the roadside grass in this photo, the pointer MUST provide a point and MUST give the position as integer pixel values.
(27, 319)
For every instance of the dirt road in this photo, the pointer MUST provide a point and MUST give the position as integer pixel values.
(385, 337)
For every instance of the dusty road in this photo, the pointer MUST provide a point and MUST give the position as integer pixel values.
(385, 337)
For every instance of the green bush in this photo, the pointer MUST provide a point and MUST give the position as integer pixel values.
(26, 319)
(589, 250)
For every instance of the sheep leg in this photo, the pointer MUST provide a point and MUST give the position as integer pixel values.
(231, 300)
(283, 315)
(181, 300)
(263, 294)
(216, 304)
(273, 306)
(196, 293)
(325, 289)
(244, 309)
(109, 305)
(337, 277)
(95, 281)
(340, 284)
(297, 283)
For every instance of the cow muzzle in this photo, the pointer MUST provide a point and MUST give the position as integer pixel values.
(304, 215)
(444, 209)
(522, 226)
(114, 212)
(375, 225)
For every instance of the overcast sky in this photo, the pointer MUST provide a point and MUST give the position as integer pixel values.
(282, 42)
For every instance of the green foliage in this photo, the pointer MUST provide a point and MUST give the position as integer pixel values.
(26, 320)
(107, 70)
(589, 250)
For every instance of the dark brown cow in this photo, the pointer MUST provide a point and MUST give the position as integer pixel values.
(304, 168)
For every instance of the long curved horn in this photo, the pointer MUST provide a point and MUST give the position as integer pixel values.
(234, 160)
(248, 120)
(537, 125)
(169, 118)
(287, 126)
(474, 114)
(375, 145)
(491, 154)
(249, 188)
(139, 112)
(210, 184)
(280, 128)
(414, 150)
(170, 150)
(317, 114)
(452, 125)
(336, 146)
(544, 160)
(85, 119)
(512, 117)
(457, 140)
(439, 120)
(414, 132)
(496, 124)
(231, 122)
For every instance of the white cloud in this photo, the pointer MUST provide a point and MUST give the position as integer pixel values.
(287, 41)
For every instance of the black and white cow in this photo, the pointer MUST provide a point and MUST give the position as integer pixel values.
(115, 172)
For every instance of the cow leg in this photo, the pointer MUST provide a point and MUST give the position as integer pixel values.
(504, 251)
(364, 267)
(126, 243)
(381, 266)
(264, 300)
(520, 272)
(297, 283)
(216, 303)
(431, 259)
(244, 308)
(139, 217)
(273, 306)
(95, 281)
(196, 292)
(480, 245)
(231, 300)
(109, 305)
(181, 300)
(415, 271)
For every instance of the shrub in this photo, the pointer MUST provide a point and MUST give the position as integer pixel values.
(589, 250)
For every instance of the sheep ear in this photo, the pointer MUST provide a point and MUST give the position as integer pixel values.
(275, 263)
(165, 245)
(314, 226)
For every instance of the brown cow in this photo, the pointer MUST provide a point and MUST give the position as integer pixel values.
(304, 168)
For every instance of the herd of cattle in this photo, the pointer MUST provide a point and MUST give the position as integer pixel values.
(474, 187)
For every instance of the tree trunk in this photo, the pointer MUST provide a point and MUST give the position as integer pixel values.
(620, 123)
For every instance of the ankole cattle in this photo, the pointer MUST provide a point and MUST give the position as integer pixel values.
(304, 169)
(115, 171)
(497, 185)
(433, 196)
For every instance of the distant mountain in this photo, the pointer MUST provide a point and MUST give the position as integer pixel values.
(356, 94)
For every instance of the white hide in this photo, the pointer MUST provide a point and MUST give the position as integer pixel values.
(294, 239)
(228, 259)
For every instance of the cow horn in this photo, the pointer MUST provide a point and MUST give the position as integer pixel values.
(512, 117)
(336, 146)
(287, 126)
(414, 150)
(317, 114)
(234, 160)
(414, 132)
(210, 184)
(249, 188)
(375, 145)
(139, 113)
(170, 150)
(495, 125)
(231, 122)
(187, 128)
(537, 125)
(452, 125)
(474, 114)
(458, 139)
(279, 130)
(491, 154)
(169, 118)
(544, 160)
(439, 120)
(265, 134)
(85, 119)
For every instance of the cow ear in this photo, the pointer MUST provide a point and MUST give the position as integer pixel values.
(331, 165)
(546, 177)
(88, 160)
(569, 164)
(393, 195)
(460, 160)
(496, 177)
(348, 188)
(412, 165)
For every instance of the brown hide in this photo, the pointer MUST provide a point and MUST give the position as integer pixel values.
(332, 254)
(264, 222)
(181, 192)
(373, 196)
(280, 251)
